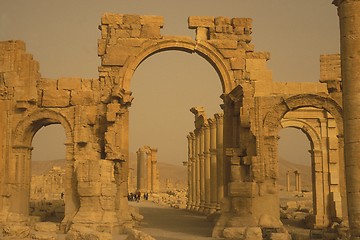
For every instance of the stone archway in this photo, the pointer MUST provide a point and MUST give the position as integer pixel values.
(326, 153)
(21, 160)
(202, 48)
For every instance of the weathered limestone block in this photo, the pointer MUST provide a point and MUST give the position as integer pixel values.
(268, 221)
(78, 232)
(110, 18)
(134, 234)
(222, 21)
(280, 236)
(11, 79)
(89, 189)
(55, 98)
(114, 59)
(86, 83)
(237, 63)
(196, 21)
(107, 202)
(82, 97)
(43, 235)
(131, 19)
(47, 84)
(150, 32)
(232, 53)
(69, 83)
(152, 20)
(234, 232)
(253, 233)
(88, 170)
(112, 110)
(45, 227)
(224, 44)
(330, 68)
(13, 230)
(243, 189)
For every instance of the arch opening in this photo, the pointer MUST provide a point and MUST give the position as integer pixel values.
(47, 183)
(295, 176)
(160, 114)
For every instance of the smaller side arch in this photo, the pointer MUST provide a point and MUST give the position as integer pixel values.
(27, 128)
(273, 117)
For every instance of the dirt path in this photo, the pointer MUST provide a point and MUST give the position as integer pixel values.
(165, 223)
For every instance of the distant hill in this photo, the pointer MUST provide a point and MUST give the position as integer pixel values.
(305, 174)
(42, 167)
(177, 175)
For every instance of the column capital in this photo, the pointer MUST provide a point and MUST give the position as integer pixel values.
(212, 122)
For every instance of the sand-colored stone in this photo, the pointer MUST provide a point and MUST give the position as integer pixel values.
(254, 107)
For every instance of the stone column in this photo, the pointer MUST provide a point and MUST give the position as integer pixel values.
(154, 175)
(219, 158)
(189, 167)
(296, 181)
(288, 181)
(213, 166)
(207, 167)
(202, 170)
(193, 171)
(141, 169)
(148, 170)
(349, 16)
(197, 170)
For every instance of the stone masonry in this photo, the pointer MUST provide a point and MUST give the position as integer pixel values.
(241, 141)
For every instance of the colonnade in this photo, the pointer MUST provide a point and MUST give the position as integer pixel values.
(205, 163)
(147, 173)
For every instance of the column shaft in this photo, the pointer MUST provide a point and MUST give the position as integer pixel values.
(202, 171)
(213, 166)
(349, 15)
(219, 158)
(197, 170)
(207, 167)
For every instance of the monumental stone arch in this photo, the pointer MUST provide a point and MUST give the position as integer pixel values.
(95, 116)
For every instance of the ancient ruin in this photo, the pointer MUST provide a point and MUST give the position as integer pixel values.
(147, 174)
(233, 157)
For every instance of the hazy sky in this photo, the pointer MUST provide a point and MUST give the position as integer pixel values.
(62, 35)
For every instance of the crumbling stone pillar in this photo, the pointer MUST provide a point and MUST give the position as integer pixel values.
(199, 157)
(207, 168)
(213, 167)
(288, 181)
(202, 170)
(188, 164)
(219, 158)
(197, 170)
(154, 173)
(193, 171)
(297, 181)
(349, 16)
(141, 170)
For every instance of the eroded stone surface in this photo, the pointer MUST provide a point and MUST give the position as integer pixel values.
(244, 158)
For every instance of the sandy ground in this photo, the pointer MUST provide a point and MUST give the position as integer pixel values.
(165, 223)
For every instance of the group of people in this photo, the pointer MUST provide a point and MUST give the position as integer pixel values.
(137, 196)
